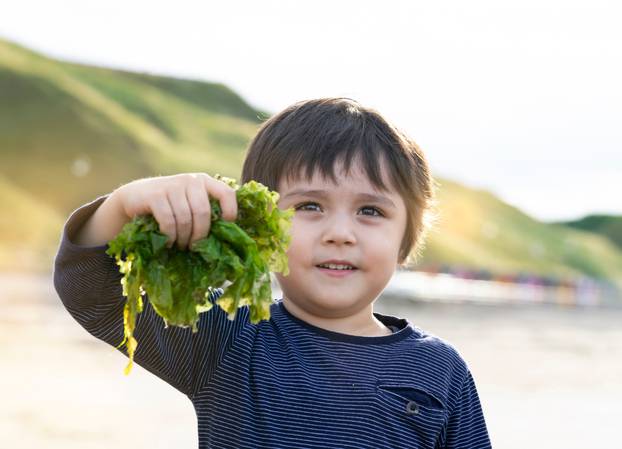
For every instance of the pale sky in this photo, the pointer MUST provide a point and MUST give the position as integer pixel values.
(522, 98)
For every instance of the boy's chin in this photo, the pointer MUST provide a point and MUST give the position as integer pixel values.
(333, 306)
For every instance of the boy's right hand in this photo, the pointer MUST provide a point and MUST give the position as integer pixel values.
(179, 203)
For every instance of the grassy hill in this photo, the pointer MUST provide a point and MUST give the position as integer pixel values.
(70, 132)
(609, 226)
(478, 230)
(29, 234)
(60, 119)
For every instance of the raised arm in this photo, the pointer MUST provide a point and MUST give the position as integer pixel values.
(88, 282)
(104, 224)
(179, 203)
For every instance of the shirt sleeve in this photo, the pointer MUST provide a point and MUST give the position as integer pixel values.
(88, 282)
(466, 426)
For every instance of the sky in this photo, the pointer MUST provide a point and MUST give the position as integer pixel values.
(521, 98)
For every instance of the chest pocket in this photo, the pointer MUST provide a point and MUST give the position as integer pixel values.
(414, 408)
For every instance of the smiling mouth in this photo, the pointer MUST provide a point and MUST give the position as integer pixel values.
(335, 272)
(323, 267)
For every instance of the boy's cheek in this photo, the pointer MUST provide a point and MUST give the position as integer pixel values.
(300, 229)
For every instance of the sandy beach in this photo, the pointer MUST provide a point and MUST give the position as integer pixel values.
(547, 376)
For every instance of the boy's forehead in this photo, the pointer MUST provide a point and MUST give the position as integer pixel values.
(356, 175)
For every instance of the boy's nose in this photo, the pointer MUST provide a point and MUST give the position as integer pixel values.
(339, 230)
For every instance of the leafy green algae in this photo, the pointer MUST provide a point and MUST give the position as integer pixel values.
(180, 284)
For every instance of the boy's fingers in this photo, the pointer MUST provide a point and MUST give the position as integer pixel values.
(182, 214)
(200, 207)
(163, 213)
(225, 195)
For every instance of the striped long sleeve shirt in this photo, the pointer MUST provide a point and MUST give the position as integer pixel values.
(284, 383)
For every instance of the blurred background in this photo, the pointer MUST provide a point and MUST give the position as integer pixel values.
(517, 106)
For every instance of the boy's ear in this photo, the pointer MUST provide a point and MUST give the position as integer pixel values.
(402, 263)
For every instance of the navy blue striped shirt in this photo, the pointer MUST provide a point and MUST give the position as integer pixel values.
(284, 383)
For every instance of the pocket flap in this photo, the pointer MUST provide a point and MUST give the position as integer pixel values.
(409, 393)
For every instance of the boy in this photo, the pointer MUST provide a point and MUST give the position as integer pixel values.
(325, 371)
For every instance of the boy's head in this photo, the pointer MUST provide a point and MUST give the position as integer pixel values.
(316, 136)
(331, 159)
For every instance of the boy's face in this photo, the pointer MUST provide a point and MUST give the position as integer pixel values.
(341, 225)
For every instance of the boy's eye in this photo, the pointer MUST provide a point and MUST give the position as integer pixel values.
(302, 206)
(374, 211)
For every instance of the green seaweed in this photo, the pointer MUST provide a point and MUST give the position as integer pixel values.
(236, 257)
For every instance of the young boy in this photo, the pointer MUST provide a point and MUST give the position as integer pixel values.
(325, 371)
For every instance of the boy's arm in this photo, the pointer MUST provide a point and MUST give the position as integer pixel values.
(103, 225)
(466, 426)
(88, 282)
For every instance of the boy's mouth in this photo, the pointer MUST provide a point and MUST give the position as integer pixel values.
(337, 268)
(335, 264)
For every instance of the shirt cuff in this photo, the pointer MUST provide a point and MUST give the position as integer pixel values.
(75, 222)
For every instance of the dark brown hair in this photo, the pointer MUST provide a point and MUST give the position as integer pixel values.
(314, 134)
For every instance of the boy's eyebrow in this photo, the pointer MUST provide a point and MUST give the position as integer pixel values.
(324, 194)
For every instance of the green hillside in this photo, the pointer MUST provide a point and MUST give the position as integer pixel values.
(29, 234)
(609, 226)
(70, 132)
(96, 128)
(478, 230)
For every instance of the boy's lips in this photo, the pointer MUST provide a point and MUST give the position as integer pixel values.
(337, 272)
(337, 262)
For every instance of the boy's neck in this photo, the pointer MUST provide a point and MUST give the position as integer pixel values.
(362, 324)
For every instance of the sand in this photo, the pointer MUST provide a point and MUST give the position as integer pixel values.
(547, 376)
